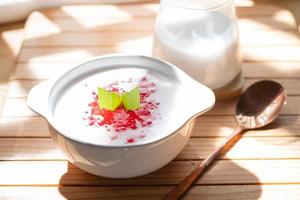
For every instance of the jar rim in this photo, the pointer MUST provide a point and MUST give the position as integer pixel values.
(214, 7)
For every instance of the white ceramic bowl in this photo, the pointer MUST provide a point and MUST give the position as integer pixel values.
(125, 160)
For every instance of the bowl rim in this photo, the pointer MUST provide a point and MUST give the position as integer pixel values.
(51, 120)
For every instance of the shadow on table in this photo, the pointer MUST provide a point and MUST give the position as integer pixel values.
(291, 5)
(224, 180)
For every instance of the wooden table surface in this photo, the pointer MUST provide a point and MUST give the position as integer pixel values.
(264, 164)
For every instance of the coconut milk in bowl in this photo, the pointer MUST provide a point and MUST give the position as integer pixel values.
(80, 115)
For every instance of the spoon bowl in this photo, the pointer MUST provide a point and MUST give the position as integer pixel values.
(260, 104)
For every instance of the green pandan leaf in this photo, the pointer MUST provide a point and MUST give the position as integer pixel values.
(131, 100)
(108, 100)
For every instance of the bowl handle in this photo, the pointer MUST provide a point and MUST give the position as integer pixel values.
(203, 101)
(37, 98)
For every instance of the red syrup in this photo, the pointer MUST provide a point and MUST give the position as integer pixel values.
(121, 119)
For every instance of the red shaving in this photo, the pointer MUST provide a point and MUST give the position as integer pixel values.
(122, 119)
(130, 140)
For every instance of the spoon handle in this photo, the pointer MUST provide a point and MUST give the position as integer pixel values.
(186, 183)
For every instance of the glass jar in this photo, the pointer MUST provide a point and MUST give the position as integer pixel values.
(201, 37)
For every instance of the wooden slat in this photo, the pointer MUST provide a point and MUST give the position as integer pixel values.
(243, 192)
(197, 148)
(223, 172)
(29, 149)
(72, 54)
(260, 9)
(23, 127)
(271, 53)
(270, 69)
(136, 38)
(228, 107)
(39, 25)
(225, 192)
(246, 148)
(42, 71)
(6, 64)
(97, 192)
(146, 10)
(17, 107)
(117, 39)
(205, 126)
(34, 70)
(269, 38)
(97, 11)
(222, 126)
(20, 88)
(89, 24)
(251, 53)
(282, 22)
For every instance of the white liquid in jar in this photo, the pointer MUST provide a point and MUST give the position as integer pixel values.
(205, 46)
